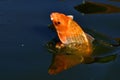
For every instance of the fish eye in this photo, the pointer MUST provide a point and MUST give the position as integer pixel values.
(58, 22)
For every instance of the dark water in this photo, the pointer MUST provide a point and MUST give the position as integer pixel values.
(24, 33)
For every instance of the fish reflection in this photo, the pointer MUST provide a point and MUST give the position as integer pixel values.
(96, 8)
(63, 61)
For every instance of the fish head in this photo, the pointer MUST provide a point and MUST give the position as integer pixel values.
(60, 21)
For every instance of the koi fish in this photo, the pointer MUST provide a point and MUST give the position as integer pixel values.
(77, 42)
(69, 31)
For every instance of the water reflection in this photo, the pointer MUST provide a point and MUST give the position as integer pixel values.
(96, 8)
(67, 57)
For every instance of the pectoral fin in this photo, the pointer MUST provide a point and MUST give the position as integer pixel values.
(90, 38)
(70, 16)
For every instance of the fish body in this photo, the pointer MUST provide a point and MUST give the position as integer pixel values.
(69, 32)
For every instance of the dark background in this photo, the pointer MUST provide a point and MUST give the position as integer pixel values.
(24, 33)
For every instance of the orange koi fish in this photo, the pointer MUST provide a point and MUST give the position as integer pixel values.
(73, 41)
(69, 31)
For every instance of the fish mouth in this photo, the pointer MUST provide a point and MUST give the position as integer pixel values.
(54, 15)
(51, 18)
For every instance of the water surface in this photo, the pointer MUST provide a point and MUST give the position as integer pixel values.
(24, 33)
